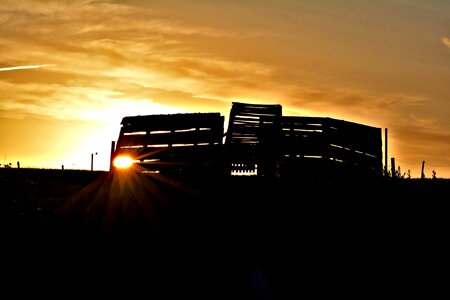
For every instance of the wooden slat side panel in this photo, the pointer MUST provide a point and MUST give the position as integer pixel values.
(347, 145)
(367, 140)
(214, 122)
(193, 154)
(308, 150)
(300, 121)
(171, 129)
(252, 119)
(172, 138)
(353, 157)
(195, 142)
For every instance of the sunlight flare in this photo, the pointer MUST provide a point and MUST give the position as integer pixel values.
(123, 162)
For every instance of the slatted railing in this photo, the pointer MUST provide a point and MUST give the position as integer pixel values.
(172, 143)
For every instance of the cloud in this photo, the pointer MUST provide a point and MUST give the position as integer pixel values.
(124, 52)
(420, 138)
(446, 41)
(96, 45)
(106, 53)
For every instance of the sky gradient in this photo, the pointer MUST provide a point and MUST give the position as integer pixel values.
(70, 70)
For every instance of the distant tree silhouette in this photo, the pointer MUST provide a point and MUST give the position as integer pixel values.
(433, 174)
(408, 174)
(398, 173)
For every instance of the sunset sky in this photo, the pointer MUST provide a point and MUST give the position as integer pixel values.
(70, 70)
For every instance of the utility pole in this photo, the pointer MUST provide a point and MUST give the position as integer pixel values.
(386, 152)
(92, 161)
(113, 149)
(422, 176)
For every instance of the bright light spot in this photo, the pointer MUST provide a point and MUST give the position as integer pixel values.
(123, 162)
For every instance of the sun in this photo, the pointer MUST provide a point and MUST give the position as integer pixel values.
(123, 162)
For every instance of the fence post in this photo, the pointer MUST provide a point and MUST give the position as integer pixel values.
(393, 167)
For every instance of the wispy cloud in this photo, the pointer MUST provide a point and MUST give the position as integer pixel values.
(446, 41)
(97, 45)
(25, 67)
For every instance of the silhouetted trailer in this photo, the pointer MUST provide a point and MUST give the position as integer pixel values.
(259, 141)
(328, 147)
(252, 140)
(173, 144)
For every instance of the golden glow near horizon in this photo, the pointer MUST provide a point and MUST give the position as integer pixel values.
(70, 70)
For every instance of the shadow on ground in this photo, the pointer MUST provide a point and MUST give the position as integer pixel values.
(78, 233)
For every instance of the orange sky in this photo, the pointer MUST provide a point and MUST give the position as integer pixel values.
(70, 70)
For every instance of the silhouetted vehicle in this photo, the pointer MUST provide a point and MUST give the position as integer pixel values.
(259, 142)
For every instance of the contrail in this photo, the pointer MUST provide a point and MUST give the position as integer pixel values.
(24, 67)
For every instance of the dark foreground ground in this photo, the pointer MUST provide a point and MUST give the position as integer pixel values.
(66, 233)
